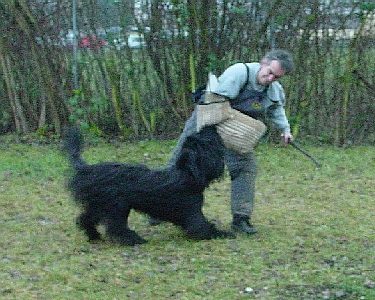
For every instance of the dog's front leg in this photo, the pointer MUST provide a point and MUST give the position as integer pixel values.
(118, 230)
(199, 228)
(126, 237)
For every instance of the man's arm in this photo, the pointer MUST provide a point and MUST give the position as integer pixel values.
(277, 114)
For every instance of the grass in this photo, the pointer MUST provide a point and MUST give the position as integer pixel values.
(316, 232)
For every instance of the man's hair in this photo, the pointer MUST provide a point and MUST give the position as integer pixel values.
(283, 57)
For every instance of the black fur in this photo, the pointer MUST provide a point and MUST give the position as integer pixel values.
(108, 191)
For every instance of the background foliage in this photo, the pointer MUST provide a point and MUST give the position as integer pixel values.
(145, 92)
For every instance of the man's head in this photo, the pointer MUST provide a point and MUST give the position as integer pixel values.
(274, 65)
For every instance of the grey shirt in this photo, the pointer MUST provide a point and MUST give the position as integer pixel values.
(235, 77)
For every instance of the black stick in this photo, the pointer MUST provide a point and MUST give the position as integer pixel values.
(298, 147)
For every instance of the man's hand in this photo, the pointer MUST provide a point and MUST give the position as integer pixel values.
(287, 138)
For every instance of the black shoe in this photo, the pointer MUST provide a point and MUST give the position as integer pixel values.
(241, 223)
(154, 222)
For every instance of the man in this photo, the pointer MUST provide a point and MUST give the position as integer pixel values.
(252, 88)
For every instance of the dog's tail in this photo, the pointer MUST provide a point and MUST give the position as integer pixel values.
(73, 145)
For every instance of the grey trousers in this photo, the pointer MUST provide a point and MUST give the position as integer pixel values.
(242, 170)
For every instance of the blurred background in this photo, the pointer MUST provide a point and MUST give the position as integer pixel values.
(126, 68)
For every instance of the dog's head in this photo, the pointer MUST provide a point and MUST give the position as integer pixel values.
(202, 156)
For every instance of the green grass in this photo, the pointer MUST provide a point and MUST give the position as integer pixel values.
(316, 232)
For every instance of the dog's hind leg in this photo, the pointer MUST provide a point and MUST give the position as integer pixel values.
(88, 221)
(118, 230)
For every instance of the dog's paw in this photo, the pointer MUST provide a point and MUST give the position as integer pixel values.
(137, 241)
(95, 239)
(225, 234)
(129, 239)
(128, 242)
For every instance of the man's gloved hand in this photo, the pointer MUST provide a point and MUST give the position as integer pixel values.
(287, 138)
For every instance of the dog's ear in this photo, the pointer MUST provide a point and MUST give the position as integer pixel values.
(188, 163)
(184, 159)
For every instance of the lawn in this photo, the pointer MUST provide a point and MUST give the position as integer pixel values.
(316, 235)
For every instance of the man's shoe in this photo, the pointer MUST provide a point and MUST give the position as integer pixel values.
(241, 223)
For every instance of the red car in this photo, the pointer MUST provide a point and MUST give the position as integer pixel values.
(92, 42)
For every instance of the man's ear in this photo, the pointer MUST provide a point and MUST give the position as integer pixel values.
(264, 62)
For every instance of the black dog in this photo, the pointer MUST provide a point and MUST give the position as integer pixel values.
(108, 191)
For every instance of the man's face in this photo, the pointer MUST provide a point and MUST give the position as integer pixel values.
(269, 72)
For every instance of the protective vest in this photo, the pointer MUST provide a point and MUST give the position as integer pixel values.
(250, 102)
